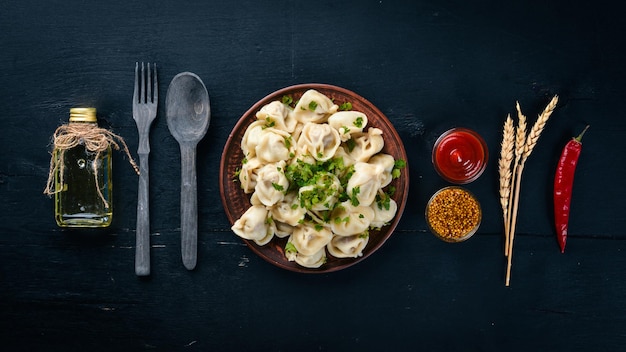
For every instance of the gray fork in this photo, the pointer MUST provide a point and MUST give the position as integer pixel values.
(145, 100)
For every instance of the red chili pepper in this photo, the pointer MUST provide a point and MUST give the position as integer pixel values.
(563, 182)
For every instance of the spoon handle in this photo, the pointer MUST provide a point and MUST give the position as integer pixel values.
(189, 206)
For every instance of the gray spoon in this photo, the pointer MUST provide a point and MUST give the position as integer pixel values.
(188, 116)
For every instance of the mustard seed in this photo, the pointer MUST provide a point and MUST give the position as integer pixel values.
(453, 213)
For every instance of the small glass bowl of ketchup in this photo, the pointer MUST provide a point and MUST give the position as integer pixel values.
(460, 155)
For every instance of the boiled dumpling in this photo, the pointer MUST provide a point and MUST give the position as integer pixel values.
(365, 145)
(288, 210)
(253, 225)
(309, 239)
(271, 183)
(314, 106)
(274, 145)
(248, 174)
(365, 182)
(308, 261)
(277, 115)
(282, 230)
(347, 246)
(319, 141)
(382, 214)
(347, 123)
(347, 219)
(387, 162)
(251, 138)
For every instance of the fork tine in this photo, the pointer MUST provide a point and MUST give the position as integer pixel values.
(136, 92)
(155, 89)
(149, 86)
(143, 85)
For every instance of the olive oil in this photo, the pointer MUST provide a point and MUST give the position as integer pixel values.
(83, 188)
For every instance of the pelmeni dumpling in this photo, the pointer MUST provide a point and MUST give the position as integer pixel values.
(271, 183)
(367, 144)
(248, 174)
(253, 225)
(282, 230)
(382, 215)
(347, 246)
(308, 261)
(251, 138)
(387, 162)
(274, 145)
(288, 210)
(347, 123)
(365, 182)
(308, 240)
(346, 219)
(277, 115)
(314, 106)
(319, 141)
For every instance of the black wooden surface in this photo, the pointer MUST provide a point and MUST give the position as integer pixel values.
(428, 65)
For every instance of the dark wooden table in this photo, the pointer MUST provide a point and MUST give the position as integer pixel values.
(427, 65)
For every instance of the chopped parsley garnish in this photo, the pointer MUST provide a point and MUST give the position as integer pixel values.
(353, 198)
(287, 142)
(287, 99)
(290, 248)
(278, 187)
(397, 165)
(268, 123)
(358, 122)
(383, 201)
(321, 177)
(345, 106)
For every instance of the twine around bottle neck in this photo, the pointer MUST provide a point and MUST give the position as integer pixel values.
(94, 138)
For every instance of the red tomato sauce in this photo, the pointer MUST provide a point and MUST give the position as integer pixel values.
(460, 155)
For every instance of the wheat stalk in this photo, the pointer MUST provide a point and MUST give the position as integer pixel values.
(504, 169)
(521, 156)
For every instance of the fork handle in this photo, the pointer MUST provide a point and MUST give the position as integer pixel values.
(142, 251)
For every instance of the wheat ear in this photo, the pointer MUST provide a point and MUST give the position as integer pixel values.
(538, 127)
(504, 169)
(520, 142)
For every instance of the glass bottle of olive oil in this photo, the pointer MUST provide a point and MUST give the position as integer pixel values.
(83, 179)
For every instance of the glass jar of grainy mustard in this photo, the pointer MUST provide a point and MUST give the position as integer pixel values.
(453, 214)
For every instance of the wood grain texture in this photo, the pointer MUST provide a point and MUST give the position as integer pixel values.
(428, 66)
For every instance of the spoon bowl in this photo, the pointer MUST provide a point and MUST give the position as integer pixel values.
(188, 116)
(188, 110)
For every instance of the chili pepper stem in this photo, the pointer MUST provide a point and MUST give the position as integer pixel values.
(579, 138)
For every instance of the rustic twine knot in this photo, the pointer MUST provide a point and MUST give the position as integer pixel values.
(94, 138)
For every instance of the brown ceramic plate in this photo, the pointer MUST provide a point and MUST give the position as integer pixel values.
(236, 202)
